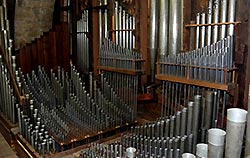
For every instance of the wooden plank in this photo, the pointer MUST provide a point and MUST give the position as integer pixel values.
(123, 71)
(193, 82)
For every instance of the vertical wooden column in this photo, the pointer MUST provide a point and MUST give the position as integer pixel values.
(94, 41)
(142, 35)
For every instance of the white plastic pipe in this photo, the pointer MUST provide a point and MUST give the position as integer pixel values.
(236, 122)
(201, 150)
(188, 155)
(216, 139)
(247, 151)
(130, 152)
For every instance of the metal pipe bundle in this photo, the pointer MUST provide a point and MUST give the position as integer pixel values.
(83, 43)
(163, 27)
(7, 98)
(203, 64)
(63, 99)
(124, 24)
(236, 122)
(175, 27)
(153, 34)
(216, 141)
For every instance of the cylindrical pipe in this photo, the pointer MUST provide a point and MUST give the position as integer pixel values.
(247, 151)
(216, 138)
(190, 117)
(130, 152)
(208, 109)
(223, 17)
(175, 26)
(201, 150)
(231, 16)
(196, 120)
(197, 31)
(153, 34)
(203, 29)
(209, 21)
(215, 20)
(188, 155)
(163, 28)
(183, 121)
(236, 122)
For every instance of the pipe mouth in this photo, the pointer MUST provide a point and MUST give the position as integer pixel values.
(130, 152)
(202, 150)
(188, 155)
(236, 115)
(191, 103)
(216, 136)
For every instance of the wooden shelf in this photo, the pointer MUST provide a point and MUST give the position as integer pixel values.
(225, 87)
(119, 70)
(213, 24)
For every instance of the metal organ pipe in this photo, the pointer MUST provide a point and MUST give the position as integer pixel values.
(223, 17)
(215, 20)
(153, 34)
(175, 26)
(163, 27)
(236, 122)
(231, 16)
(209, 21)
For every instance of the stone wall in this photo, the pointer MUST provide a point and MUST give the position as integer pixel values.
(32, 18)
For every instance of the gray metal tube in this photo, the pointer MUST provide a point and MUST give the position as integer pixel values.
(223, 17)
(153, 34)
(209, 21)
(190, 117)
(203, 29)
(196, 119)
(197, 31)
(247, 151)
(201, 150)
(163, 28)
(236, 122)
(175, 26)
(208, 109)
(231, 16)
(216, 139)
(215, 20)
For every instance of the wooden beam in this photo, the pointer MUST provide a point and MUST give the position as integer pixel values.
(94, 40)
(142, 35)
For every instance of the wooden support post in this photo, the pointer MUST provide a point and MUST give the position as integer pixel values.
(94, 41)
(142, 35)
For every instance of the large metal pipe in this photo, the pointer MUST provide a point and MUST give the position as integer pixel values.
(201, 150)
(236, 122)
(175, 26)
(163, 28)
(196, 119)
(247, 151)
(216, 139)
(223, 17)
(153, 34)
(215, 20)
(188, 155)
(231, 16)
